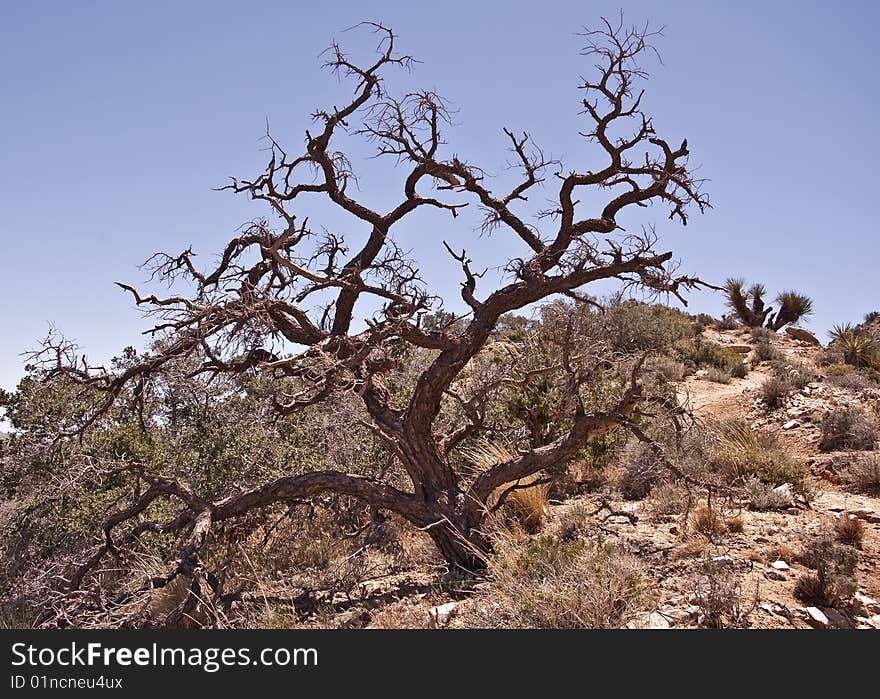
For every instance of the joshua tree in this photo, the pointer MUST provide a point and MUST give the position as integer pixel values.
(282, 301)
(749, 305)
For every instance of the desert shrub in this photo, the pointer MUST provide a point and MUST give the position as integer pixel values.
(698, 352)
(717, 375)
(798, 374)
(863, 474)
(852, 381)
(727, 322)
(773, 392)
(718, 592)
(640, 471)
(762, 335)
(765, 351)
(835, 578)
(849, 530)
(670, 368)
(739, 452)
(631, 326)
(739, 371)
(763, 496)
(668, 499)
(545, 582)
(848, 428)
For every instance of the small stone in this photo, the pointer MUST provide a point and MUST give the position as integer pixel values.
(791, 424)
(774, 575)
(442, 614)
(780, 565)
(816, 618)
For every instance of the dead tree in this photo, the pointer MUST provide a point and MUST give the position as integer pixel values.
(264, 290)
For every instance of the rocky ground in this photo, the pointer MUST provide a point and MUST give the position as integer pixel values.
(761, 557)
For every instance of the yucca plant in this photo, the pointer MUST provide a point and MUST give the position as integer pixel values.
(792, 307)
(859, 347)
(750, 306)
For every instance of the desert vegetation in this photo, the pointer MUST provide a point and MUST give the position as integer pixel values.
(313, 438)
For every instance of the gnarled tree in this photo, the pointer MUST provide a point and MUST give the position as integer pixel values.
(281, 301)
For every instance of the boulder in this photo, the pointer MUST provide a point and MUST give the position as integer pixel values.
(816, 618)
(802, 335)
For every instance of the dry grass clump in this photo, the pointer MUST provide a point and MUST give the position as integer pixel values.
(781, 552)
(526, 498)
(835, 578)
(707, 521)
(739, 453)
(545, 582)
(848, 428)
(863, 474)
(735, 524)
(849, 530)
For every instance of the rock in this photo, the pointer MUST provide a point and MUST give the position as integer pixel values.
(863, 513)
(442, 614)
(866, 603)
(816, 618)
(654, 620)
(741, 349)
(771, 574)
(791, 424)
(786, 492)
(700, 373)
(836, 619)
(780, 565)
(802, 335)
(679, 616)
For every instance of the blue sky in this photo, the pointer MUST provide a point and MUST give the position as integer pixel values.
(119, 119)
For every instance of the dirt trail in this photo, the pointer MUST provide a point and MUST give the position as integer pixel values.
(708, 399)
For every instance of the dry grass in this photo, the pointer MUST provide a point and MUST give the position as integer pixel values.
(735, 524)
(544, 582)
(692, 548)
(781, 552)
(849, 530)
(707, 521)
(738, 452)
(526, 498)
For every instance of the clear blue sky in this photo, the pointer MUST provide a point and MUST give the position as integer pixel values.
(118, 119)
